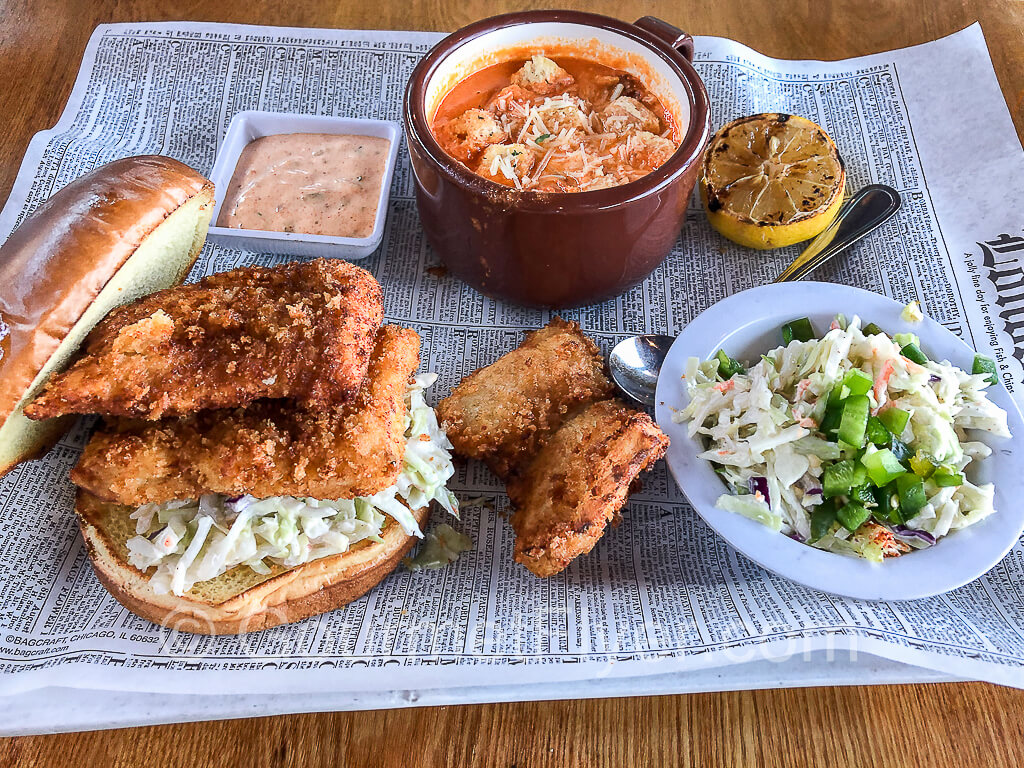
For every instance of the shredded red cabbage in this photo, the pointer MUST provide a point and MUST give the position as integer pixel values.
(914, 533)
(756, 484)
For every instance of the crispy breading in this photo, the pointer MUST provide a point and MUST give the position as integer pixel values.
(579, 480)
(503, 412)
(302, 331)
(270, 448)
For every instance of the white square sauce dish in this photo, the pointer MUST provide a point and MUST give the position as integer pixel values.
(304, 185)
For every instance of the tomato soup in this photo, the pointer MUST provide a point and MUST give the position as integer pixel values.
(555, 125)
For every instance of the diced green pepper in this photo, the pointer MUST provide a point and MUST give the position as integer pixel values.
(876, 432)
(871, 330)
(921, 465)
(858, 382)
(913, 353)
(830, 423)
(945, 478)
(835, 395)
(900, 449)
(727, 367)
(912, 496)
(854, 420)
(799, 329)
(987, 365)
(840, 477)
(833, 412)
(895, 419)
(883, 467)
(863, 494)
(822, 518)
(902, 339)
(888, 504)
(852, 516)
(860, 474)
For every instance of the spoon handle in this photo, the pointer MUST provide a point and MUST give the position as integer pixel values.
(867, 209)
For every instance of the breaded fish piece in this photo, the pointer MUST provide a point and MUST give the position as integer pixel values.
(503, 412)
(302, 331)
(270, 448)
(579, 480)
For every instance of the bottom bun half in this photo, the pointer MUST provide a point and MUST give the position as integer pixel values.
(240, 600)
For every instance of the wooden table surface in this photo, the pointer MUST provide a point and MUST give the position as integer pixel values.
(966, 724)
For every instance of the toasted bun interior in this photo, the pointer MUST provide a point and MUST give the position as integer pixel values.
(240, 600)
(127, 229)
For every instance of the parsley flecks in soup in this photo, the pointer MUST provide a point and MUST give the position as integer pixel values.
(567, 126)
(316, 184)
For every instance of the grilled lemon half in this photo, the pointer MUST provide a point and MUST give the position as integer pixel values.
(772, 180)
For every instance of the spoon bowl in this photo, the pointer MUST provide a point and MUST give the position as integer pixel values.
(635, 363)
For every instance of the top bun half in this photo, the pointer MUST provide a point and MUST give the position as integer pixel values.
(124, 230)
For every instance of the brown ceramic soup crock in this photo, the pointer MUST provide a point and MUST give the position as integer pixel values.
(549, 249)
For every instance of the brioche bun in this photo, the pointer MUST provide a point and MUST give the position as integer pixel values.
(240, 600)
(124, 230)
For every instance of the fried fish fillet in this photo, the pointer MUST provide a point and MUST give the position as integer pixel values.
(564, 498)
(270, 448)
(503, 412)
(302, 331)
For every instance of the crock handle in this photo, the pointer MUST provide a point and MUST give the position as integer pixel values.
(672, 35)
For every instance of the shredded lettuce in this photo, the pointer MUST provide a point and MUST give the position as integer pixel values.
(190, 541)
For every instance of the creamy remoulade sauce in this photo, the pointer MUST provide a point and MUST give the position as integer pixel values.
(313, 183)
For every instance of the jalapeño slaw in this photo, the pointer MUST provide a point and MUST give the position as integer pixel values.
(854, 443)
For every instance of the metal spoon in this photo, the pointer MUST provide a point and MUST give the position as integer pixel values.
(863, 213)
(636, 362)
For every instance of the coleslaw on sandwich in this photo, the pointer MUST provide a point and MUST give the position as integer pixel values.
(854, 443)
(199, 539)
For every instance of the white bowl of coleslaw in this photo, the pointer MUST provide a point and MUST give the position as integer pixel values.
(747, 326)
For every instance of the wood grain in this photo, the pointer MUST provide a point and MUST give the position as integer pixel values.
(41, 45)
(949, 724)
